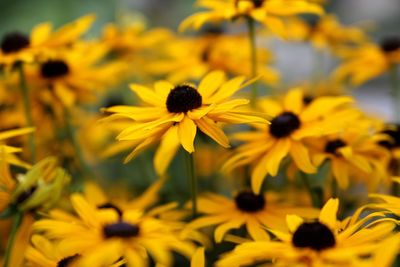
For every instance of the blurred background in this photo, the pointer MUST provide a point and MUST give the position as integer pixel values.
(381, 17)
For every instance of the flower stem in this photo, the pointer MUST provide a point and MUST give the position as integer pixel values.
(394, 77)
(316, 197)
(191, 172)
(75, 143)
(10, 243)
(27, 109)
(253, 60)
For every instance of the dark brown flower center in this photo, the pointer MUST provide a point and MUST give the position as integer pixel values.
(332, 146)
(390, 44)
(14, 42)
(314, 235)
(54, 69)
(249, 202)
(183, 98)
(120, 229)
(67, 261)
(284, 124)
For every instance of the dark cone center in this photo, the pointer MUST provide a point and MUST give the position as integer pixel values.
(249, 202)
(54, 69)
(284, 124)
(314, 235)
(14, 42)
(67, 261)
(332, 146)
(394, 135)
(121, 229)
(390, 44)
(183, 98)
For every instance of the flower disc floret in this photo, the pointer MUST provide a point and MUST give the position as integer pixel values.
(314, 235)
(121, 229)
(183, 98)
(247, 201)
(14, 42)
(284, 124)
(54, 69)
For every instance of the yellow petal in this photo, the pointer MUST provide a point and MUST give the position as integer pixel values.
(167, 150)
(329, 212)
(211, 129)
(198, 259)
(210, 83)
(187, 133)
(301, 157)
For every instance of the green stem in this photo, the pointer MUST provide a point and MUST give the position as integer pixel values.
(394, 77)
(315, 197)
(27, 109)
(75, 143)
(253, 60)
(190, 167)
(10, 243)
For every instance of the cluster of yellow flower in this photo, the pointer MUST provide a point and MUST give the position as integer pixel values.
(297, 151)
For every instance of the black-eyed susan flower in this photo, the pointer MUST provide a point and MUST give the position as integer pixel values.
(323, 242)
(44, 253)
(172, 114)
(354, 155)
(271, 13)
(104, 236)
(253, 211)
(292, 121)
(18, 47)
(75, 76)
(369, 61)
(191, 58)
(326, 32)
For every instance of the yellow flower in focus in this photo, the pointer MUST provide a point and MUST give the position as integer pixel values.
(17, 47)
(293, 120)
(271, 13)
(103, 236)
(323, 242)
(368, 61)
(253, 211)
(172, 114)
(191, 58)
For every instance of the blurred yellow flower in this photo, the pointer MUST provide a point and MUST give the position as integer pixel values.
(271, 13)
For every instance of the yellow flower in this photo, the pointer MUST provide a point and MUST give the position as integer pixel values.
(75, 76)
(253, 211)
(353, 155)
(293, 120)
(324, 242)
(44, 253)
(172, 114)
(103, 236)
(190, 58)
(17, 47)
(369, 61)
(326, 32)
(271, 13)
